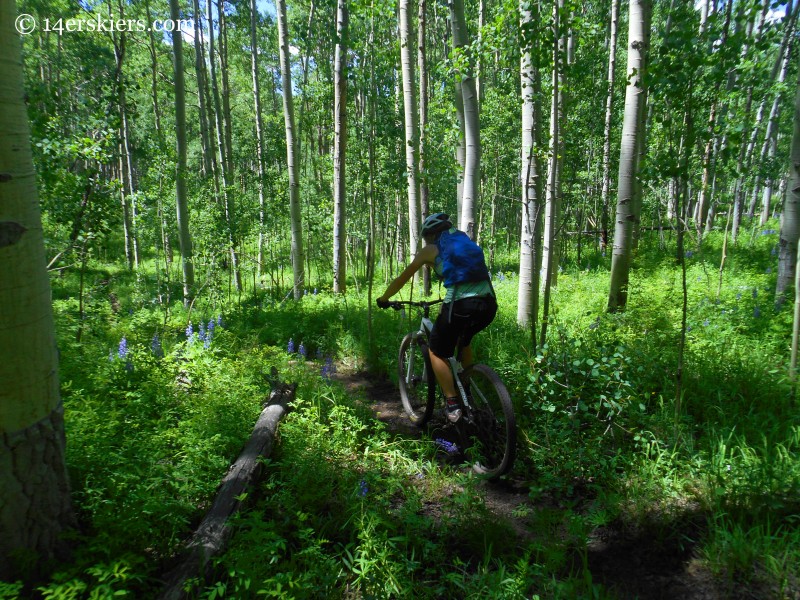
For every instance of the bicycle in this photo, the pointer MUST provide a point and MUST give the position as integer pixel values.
(487, 424)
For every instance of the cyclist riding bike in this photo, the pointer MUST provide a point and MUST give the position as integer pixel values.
(469, 304)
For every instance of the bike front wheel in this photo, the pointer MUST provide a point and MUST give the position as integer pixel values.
(490, 426)
(417, 380)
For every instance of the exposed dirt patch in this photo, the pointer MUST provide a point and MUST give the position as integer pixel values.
(632, 564)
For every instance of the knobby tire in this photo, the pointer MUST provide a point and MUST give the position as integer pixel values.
(418, 392)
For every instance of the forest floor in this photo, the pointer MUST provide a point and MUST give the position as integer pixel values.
(631, 561)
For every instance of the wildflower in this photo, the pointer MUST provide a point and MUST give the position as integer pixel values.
(129, 366)
(705, 323)
(189, 332)
(202, 332)
(774, 251)
(319, 353)
(768, 271)
(207, 342)
(210, 328)
(302, 350)
(755, 293)
(110, 356)
(739, 296)
(688, 328)
(363, 489)
(757, 312)
(290, 346)
(315, 291)
(155, 347)
(123, 348)
(219, 321)
(448, 447)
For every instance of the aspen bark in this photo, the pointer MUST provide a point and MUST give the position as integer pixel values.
(628, 167)
(410, 118)
(35, 506)
(339, 150)
(291, 152)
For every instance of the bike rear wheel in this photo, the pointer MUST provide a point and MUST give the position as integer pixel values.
(490, 426)
(417, 380)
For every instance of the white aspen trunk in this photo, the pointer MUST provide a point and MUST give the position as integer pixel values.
(259, 123)
(422, 63)
(628, 168)
(35, 506)
(472, 140)
(410, 118)
(612, 61)
(530, 174)
(291, 158)
(181, 200)
(549, 250)
(339, 149)
(230, 204)
(790, 223)
(199, 68)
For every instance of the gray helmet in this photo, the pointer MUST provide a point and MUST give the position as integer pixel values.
(435, 223)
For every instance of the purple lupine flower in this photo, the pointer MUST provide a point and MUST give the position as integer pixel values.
(757, 312)
(219, 321)
(202, 332)
(123, 348)
(705, 323)
(768, 271)
(211, 326)
(302, 350)
(689, 254)
(363, 489)
(448, 447)
(290, 346)
(189, 332)
(155, 347)
(110, 356)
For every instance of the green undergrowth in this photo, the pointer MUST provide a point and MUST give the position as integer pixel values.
(348, 509)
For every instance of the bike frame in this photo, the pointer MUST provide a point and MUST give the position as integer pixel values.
(424, 331)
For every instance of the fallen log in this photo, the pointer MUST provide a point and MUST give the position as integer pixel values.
(213, 533)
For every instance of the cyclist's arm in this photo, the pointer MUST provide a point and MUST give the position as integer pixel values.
(425, 256)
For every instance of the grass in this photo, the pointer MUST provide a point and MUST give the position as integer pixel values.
(349, 509)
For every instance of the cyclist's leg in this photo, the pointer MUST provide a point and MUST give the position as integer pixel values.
(441, 368)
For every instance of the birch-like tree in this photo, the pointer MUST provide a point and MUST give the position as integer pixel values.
(35, 504)
(411, 131)
(790, 222)
(181, 200)
(291, 151)
(339, 149)
(472, 134)
(259, 124)
(530, 170)
(628, 158)
(612, 67)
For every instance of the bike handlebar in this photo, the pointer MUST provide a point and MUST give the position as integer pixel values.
(398, 304)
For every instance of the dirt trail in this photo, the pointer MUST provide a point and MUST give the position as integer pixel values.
(632, 564)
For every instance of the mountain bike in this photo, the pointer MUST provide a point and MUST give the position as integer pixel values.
(487, 427)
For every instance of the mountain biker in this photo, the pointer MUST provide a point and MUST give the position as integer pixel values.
(469, 304)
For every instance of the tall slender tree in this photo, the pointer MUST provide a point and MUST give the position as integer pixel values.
(790, 223)
(340, 149)
(181, 199)
(259, 124)
(629, 153)
(35, 506)
(292, 158)
(472, 134)
(530, 170)
(612, 63)
(410, 117)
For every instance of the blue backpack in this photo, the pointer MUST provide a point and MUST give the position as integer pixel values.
(462, 259)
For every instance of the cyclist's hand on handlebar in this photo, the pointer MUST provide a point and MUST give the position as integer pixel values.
(383, 303)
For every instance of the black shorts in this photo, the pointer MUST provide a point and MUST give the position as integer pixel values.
(459, 321)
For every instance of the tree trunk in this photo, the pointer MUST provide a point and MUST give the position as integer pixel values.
(530, 172)
(612, 61)
(35, 504)
(291, 156)
(410, 117)
(628, 167)
(181, 202)
(202, 87)
(259, 122)
(790, 223)
(339, 150)
(472, 140)
(423, 124)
